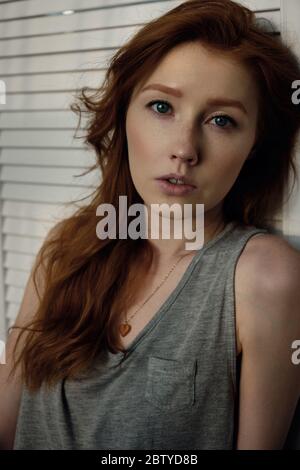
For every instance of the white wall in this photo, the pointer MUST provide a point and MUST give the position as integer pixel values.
(291, 34)
(44, 57)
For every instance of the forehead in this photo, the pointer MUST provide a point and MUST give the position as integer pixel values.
(196, 69)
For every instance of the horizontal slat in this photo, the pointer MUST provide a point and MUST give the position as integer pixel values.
(12, 312)
(36, 211)
(108, 17)
(14, 294)
(48, 157)
(26, 227)
(53, 82)
(56, 63)
(39, 101)
(40, 138)
(28, 8)
(111, 38)
(74, 61)
(41, 193)
(19, 261)
(22, 244)
(64, 176)
(9, 1)
(14, 277)
(41, 120)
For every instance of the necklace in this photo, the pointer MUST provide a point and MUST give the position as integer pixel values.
(125, 327)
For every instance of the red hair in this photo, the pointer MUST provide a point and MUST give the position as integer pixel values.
(89, 281)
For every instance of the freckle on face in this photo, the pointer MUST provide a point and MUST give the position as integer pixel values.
(155, 143)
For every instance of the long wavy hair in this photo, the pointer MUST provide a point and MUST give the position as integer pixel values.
(89, 281)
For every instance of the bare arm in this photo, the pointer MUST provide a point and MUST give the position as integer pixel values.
(270, 322)
(10, 390)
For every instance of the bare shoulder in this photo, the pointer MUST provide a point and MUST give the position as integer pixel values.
(267, 260)
(268, 271)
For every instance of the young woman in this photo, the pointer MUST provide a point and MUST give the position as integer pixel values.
(128, 343)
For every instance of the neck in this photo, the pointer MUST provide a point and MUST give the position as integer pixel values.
(169, 250)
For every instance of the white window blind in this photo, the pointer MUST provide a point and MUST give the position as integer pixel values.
(44, 57)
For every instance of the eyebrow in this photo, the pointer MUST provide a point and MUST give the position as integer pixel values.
(211, 102)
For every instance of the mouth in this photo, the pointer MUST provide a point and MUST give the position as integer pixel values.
(177, 179)
(172, 187)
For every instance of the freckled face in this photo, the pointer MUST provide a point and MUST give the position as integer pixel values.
(190, 134)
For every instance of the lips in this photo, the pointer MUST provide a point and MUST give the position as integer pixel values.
(174, 189)
(177, 176)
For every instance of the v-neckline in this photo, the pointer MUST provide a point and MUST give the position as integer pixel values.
(171, 298)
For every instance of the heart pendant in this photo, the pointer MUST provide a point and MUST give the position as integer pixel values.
(124, 329)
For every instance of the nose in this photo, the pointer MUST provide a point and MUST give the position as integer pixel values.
(186, 158)
(184, 148)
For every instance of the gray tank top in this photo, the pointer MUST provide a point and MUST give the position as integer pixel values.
(177, 387)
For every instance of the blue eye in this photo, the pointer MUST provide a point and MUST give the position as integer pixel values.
(223, 118)
(162, 104)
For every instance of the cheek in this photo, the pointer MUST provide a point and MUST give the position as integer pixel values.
(138, 139)
(145, 137)
(234, 161)
(223, 168)
(140, 144)
(140, 152)
(228, 156)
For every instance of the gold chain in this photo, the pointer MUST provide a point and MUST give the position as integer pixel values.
(164, 280)
(125, 327)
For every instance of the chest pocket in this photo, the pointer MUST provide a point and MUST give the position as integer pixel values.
(170, 383)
